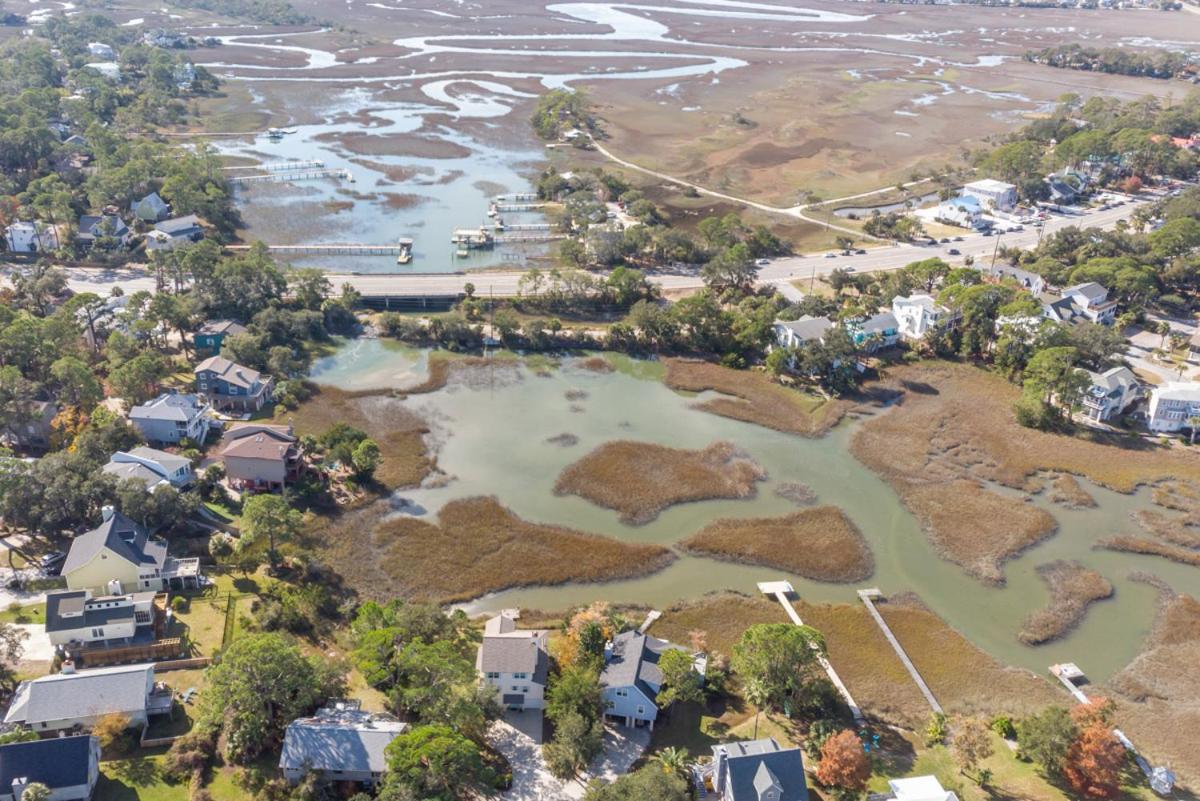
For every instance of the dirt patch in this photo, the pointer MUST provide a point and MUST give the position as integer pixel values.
(1158, 693)
(366, 144)
(1073, 588)
(797, 493)
(1149, 547)
(820, 544)
(1066, 491)
(398, 430)
(755, 398)
(478, 546)
(640, 479)
(1175, 530)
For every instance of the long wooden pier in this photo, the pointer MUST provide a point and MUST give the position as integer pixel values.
(868, 597)
(336, 249)
(781, 590)
(279, 166)
(504, 239)
(291, 175)
(524, 227)
(518, 197)
(515, 207)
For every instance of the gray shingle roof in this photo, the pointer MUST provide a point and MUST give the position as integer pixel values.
(348, 740)
(807, 328)
(119, 534)
(68, 611)
(509, 654)
(179, 226)
(634, 662)
(759, 763)
(124, 470)
(222, 327)
(232, 372)
(169, 406)
(885, 321)
(92, 693)
(58, 763)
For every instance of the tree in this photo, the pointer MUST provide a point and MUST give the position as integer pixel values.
(19, 735)
(365, 459)
(576, 690)
(110, 729)
(1046, 737)
(35, 791)
(731, 268)
(1193, 423)
(971, 743)
(844, 243)
(1093, 763)
(435, 760)
(681, 683)
(645, 784)
(673, 760)
(75, 384)
(262, 683)
(268, 517)
(576, 743)
(782, 659)
(844, 765)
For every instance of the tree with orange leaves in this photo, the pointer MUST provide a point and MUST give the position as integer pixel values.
(844, 766)
(585, 634)
(1093, 763)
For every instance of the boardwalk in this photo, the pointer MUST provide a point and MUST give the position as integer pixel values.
(291, 175)
(781, 590)
(278, 166)
(868, 597)
(346, 249)
(653, 615)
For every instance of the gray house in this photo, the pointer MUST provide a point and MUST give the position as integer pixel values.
(68, 766)
(514, 662)
(230, 386)
(65, 700)
(631, 678)
(341, 742)
(93, 227)
(151, 208)
(171, 417)
(170, 234)
(32, 430)
(154, 468)
(758, 770)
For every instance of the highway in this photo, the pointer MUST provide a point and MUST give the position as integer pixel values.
(779, 271)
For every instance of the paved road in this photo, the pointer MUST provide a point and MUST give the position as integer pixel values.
(780, 271)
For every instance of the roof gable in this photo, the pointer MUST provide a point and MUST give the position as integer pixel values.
(57, 763)
(118, 534)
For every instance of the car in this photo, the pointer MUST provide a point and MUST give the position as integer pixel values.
(763, 262)
(958, 239)
(52, 558)
(831, 255)
(986, 232)
(849, 269)
(953, 252)
(860, 252)
(945, 240)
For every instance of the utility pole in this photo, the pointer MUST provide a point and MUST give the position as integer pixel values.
(995, 252)
(812, 279)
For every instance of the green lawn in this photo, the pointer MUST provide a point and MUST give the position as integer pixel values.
(138, 778)
(34, 613)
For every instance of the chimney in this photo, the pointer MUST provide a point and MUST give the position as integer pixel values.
(106, 512)
(68, 667)
(608, 652)
(18, 787)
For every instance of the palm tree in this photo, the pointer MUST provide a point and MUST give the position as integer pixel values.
(1193, 423)
(673, 760)
(755, 692)
(1163, 329)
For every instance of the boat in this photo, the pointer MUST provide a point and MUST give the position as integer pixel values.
(462, 253)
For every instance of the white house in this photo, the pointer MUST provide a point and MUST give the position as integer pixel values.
(152, 467)
(919, 788)
(1092, 302)
(1110, 393)
(68, 767)
(963, 211)
(68, 699)
(76, 618)
(514, 662)
(102, 51)
(341, 743)
(992, 194)
(631, 678)
(1171, 405)
(1029, 281)
(31, 237)
(107, 69)
(916, 315)
(794, 333)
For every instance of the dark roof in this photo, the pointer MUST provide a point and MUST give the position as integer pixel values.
(179, 226)
(222, 327)
(89, 221)
(119, 534)
(634, 661)
(58, 763)
(756, 765)
(67, 611)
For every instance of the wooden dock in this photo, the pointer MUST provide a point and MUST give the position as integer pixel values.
(868, 597)
(290, 175)
(335, 249)
(781, 590)
(279, 166)
(517, 197)
(516, 207)
(652, 616)
(530, 236)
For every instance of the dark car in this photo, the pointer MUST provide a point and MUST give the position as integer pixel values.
(958, 239)
(953, 252)
(945, 240)
(51, 563)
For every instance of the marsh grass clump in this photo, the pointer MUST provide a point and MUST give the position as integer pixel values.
(1065, 490)
(797, 493)
(640, 479)
(1149, 547)
(820, 544)
(565, 440)
(596, 364)
(1073, 588)
(1175, 530)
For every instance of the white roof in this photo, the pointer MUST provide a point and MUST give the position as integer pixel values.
(1178, 390)
(989, 185)
(915, 300)
(920, 788)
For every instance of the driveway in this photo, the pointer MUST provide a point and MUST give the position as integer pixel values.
(36, 647)
(519, 735)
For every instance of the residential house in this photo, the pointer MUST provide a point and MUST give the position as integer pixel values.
(170, 234)
(109, 70)
(514, 662)
(100, 320)
(916, 315)
(31, 431)
(154, 468)
(261, 457)
(1110, 393)
(184, 75)
(1066, 187)
(631, 679)
(31, 236)
(963, 211)
(230, 386)
(109, 226)
(1092, 302)
(758, 770)
(919, 788)
(68, 767)
(878, 331)
(1058, 308)
(171, 418)
(210, 337)
(1030, 282)
(164, 38)
(795, 333)
(151, 208)
(65, 700)
(120, 556)
(1172, 404)
(340, 743)
(992, 194)
(102, 51)
(77, 619)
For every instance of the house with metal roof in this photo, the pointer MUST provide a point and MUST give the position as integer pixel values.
(230, 386)
(758, 770)
(69, 699)
(261, 457)
(514, 662)
(120, 556)
(341, 743)
(920, 788)
(877, 331)
(68, 767)
(631, 678)
(171, 418)
(152, 467)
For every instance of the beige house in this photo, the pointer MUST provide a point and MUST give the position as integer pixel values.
(120, 556)
(261, 457)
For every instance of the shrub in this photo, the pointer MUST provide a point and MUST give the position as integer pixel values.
(179, 603)
(1003, 726)
(935, 732)
(190, 753)
(111, 731)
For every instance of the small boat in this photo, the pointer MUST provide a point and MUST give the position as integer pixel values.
(462, 253)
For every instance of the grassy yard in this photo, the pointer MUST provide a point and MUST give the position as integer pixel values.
(138, 778)
(15, 613)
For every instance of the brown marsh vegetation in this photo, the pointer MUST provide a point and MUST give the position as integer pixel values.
(819, 543)
(1151, 547)
(1066, 491)
(640, 479)
(1073, 588)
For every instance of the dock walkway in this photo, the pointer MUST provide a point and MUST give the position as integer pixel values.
(339, 249)
(868, 597)
(781, 590)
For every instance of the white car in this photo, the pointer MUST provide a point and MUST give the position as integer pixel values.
(763, 262)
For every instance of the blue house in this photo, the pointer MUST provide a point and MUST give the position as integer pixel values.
(873, 333)
(68, 766)
(631, 677)
(210, 337)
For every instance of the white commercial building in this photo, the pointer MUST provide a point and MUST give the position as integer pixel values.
(1171, 405)
(992, 194)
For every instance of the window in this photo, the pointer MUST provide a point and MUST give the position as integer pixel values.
(97, 633)
(520, 675)
(622, 693)
(492, 676)
(641, 709)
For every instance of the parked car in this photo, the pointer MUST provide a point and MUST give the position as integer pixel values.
(953, 252)
(763, 262)
(52, 558)
(945, 240)
(831, 255)
(958, 239)
(861, 252)
(986, 232)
